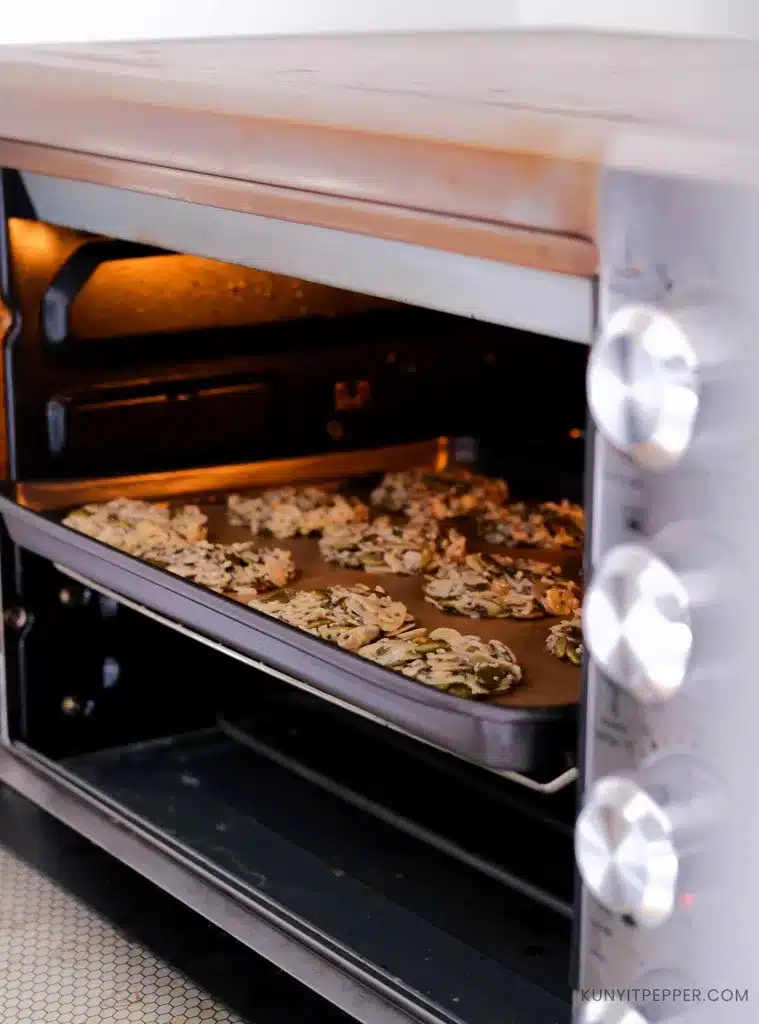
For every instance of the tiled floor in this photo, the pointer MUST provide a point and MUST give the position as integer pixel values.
(85, 940)
(61, 963)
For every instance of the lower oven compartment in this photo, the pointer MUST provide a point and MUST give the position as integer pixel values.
(435, 882)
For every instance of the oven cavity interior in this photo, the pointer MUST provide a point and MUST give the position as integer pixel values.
(297, 547)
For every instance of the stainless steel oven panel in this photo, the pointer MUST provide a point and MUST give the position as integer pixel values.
(668, 836)
(558, 305)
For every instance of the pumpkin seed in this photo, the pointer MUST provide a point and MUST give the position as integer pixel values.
(565, 640)
(460, 690)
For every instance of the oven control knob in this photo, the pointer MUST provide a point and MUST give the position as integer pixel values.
(610, 1011)
(637, 623)
(625, 851)
(634, 834)
(643, 385)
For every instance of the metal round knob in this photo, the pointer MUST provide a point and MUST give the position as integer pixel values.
(609, 1012)
(643, 386)
(637, 623)
(624, 844)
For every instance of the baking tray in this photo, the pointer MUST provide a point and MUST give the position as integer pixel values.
(531, 730)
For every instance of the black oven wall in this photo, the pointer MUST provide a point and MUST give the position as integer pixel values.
(102, 381)
(84, 673)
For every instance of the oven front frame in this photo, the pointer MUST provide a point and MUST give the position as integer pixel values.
(527, 299)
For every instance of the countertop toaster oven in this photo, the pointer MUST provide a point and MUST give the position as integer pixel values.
(349, 592)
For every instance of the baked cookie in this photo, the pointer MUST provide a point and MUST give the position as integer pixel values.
(240, 570)
(565, 640)
(450, 494)
(137, 526)
(445, 659)
(546, 525)
(175, 540)
(382, 546)
(288, 512)
(350, 617)
(485, 586)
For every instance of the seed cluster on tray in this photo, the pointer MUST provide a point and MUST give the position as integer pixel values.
(294, 512)
(381, 546)
(350, 617)
(176, 540)
(545, 525)
(492, 586)
(406, 529)
(466, 666)
(449, 494)
(138, 527)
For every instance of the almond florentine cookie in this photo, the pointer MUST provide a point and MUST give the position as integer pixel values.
(287, 512)
(449, 494)
(499, 587)
(565, 640)
(175, 540)
(445, 659)
(241, 570)
(137, 526)
(350, 617)
(384, 547)
(546, 525)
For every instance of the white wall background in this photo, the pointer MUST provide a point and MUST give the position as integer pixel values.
(66, 20)
(699, 17)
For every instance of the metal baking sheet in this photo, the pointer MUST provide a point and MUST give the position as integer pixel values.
(529, 730)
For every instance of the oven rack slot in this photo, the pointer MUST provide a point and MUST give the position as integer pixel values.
(547, 787)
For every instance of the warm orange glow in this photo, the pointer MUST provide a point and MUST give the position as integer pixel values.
(352, 395)
(576, 434)
(443, 455)
(215, 479)
(167, 293)
(36, 237)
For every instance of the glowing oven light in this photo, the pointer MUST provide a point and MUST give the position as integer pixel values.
(575, 433)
